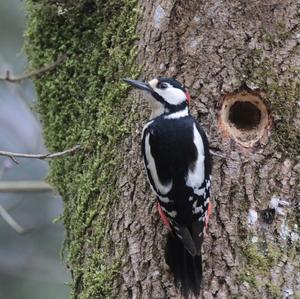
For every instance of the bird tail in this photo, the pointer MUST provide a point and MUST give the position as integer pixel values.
(187, 269)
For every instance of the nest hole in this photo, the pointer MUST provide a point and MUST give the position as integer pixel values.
(244, 115)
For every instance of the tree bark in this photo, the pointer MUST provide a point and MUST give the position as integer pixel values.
(220, 50)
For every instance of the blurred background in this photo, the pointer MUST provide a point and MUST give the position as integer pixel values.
(30, 242)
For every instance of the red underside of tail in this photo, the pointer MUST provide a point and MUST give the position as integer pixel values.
(166, 221)
(163, 217)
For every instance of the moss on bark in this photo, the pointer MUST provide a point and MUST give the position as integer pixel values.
(84, 102)
(281, 91)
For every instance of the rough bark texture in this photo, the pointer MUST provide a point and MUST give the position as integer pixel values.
(114, 238)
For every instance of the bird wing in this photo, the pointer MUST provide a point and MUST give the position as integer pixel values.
(198, 179)
(161, 188)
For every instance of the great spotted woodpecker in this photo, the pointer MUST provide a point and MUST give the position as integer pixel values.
(177, 161)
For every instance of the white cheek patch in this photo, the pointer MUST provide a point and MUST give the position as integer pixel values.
(173, 96)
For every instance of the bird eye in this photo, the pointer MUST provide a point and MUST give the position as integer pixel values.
(162, 85)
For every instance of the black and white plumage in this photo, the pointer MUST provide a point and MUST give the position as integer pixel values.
(177, 161)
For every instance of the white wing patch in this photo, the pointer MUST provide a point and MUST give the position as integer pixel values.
(199, 192)
(196, 209)
(164, 199)
(172, 214)
(163, 189)
(195, 177)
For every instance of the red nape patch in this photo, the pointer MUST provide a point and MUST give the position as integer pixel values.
(163, 217)
(188, 97)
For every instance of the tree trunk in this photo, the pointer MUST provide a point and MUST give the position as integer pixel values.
(241, 62)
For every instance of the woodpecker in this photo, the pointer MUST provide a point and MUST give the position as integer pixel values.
(177, 161)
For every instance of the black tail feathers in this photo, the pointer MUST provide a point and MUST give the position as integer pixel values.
(187, 269)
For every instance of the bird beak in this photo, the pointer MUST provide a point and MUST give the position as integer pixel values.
(139, 84)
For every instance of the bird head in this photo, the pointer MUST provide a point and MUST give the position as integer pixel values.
(165, 95)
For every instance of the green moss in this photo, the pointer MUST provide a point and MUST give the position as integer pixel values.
(281, 92)
(258, 260)
(83, 102)
(246, 276)
(274, 290)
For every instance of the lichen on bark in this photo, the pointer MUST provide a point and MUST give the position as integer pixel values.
(84, 102)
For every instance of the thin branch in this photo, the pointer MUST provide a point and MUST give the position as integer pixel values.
(46, 68)
(24, 186)
(14, 159)
(216, 154)
(11, 221)
(13, 155)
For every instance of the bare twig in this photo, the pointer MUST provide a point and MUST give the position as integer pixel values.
(14, 159)
(24, 186)
(11, 221)
(46, 68)
(13, 155)
(216, 154)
